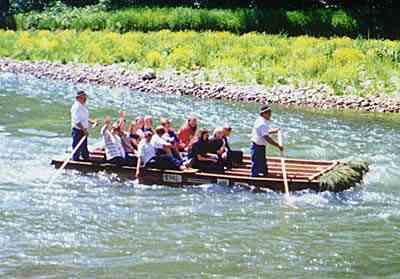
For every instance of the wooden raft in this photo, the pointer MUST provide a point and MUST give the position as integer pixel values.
(302, 174)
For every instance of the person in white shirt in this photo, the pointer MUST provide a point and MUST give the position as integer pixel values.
(80, 123)
(154, 151)
(171, 137)
(146, 153)
(260, 137)
(161, 145)
(115, 152)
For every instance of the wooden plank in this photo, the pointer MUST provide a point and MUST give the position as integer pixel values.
(246, 158)
(273, 173)
(255, 179)
(317, 175)
(277, 169)
(270, 174)
(315, 168)
(293, 160)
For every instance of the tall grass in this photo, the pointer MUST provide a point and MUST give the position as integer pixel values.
(349, 66)
(323, 22)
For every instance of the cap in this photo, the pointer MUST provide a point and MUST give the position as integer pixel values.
(265, 108)
(80, 93)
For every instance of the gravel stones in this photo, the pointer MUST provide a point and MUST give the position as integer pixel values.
(148, 74)
(176, 83)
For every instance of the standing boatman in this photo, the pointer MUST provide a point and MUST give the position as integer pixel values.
(80, 123)
(260, 136)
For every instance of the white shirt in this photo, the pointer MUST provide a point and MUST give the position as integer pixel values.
(113, 144)
(140, 133)
(167, 137)
(146, 151)
(79, 114)
(158, 142)
(260, 130)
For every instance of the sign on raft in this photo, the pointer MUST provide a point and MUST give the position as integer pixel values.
(223, 182)
(172, 178)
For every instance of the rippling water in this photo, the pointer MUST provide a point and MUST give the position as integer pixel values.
(99, 226)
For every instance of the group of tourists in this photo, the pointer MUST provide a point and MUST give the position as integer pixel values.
(165, 148)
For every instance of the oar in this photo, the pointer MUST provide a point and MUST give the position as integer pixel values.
(285, 182)
(287, 200)
(66, 161)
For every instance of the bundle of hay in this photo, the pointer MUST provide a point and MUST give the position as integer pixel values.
(344, 176)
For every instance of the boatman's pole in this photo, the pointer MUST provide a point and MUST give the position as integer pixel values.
(66, 161)
(285, 181)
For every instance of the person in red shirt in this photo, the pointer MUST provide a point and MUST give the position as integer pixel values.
(187, 133)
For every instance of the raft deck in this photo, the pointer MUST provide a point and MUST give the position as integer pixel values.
(301, 174)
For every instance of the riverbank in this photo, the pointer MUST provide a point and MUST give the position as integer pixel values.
(174, 82)
(350, 67)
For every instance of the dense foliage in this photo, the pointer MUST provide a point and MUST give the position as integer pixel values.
(274, 4)
(322, 22)
(349, 66)
(373, 18)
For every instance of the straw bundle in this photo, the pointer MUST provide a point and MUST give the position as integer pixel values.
(345, 175)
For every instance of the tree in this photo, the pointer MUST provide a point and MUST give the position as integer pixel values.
(4, 8)
(6, 20)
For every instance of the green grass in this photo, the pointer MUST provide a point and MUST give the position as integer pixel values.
(321, 22)
(356, 67)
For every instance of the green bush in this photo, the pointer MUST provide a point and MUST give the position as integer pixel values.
(349, 66)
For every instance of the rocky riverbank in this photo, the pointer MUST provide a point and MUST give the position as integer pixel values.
(171, 82)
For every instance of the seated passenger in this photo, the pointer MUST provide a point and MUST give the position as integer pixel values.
(147, 156)
(148, 124)
(146, 153)
(171, 137)
(140, 126)
(187, 133)
(233, 156)
(201, 158)
(134, 134)
(170, 134)
(227, 132)
(217, 144)
(126, 142)
(159, 142)
(115, 152)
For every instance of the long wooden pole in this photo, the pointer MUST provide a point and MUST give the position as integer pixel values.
(66, 161)
(285, 181)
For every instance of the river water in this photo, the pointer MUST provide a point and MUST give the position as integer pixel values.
(98, 226)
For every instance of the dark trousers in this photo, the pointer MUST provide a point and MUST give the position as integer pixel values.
(164, 162)
(83, 150)
(234, 157)
(258, 160)
(209, 166)
(119, 161)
